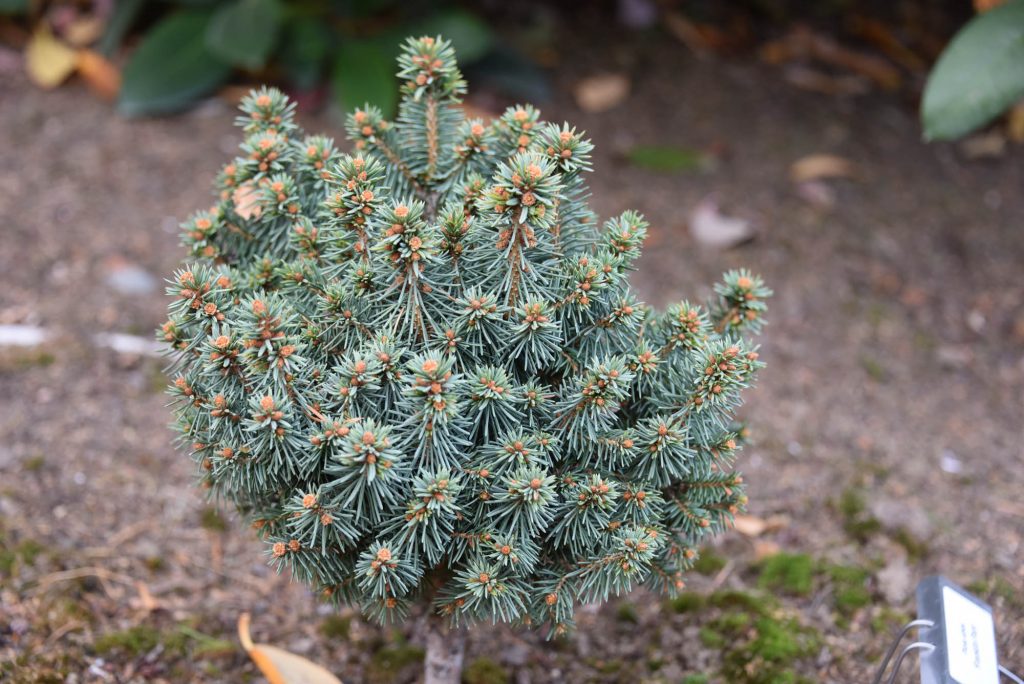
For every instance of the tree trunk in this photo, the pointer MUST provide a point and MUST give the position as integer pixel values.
(445, 648)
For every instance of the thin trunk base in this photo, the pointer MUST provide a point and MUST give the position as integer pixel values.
(445, 650)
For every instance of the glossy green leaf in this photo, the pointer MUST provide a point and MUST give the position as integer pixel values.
(510, 73)
(979, 75)
(244, 32)
(470, 36)
(304, 47)
(13, 6)
(172, 68)
(666, 159)
(121, 20)
(364, 72)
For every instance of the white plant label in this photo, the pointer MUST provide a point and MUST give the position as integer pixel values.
(970, 640)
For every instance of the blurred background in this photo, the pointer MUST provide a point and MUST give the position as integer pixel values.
(886, 433)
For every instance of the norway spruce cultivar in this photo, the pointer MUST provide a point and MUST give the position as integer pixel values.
(419, 370)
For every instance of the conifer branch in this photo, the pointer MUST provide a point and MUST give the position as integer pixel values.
(419, 369)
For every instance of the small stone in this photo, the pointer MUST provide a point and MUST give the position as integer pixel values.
(950, 462)
(516, 654)
(896, 515)
(130, 279)
(895, 581)
(602, 92)
(302, 645)
(711, 228)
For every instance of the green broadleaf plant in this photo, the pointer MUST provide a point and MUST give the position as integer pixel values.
(363, 73)
(172, 67)
(305, 45)
(978, 76)
(469, 34)
(243, 32)
(419, 370)
(666, 159)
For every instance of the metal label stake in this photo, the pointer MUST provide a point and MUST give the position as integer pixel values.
(956, 638)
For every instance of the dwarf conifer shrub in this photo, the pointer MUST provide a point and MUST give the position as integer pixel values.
(419, 369)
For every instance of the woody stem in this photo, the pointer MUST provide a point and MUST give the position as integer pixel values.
(445, 650)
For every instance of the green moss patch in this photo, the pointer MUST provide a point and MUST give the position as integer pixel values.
(770, 652)
(388, 664)
(749, 601)
(336, 626)
(758, 645)
(626, 612)
(484, 670)
(709, 563)
(858, 523)
(16, 555)
(15, 360)
(688, 602)
(178, 640)
(134, 641)
(212, 520)
(791, 573)
(849, 588)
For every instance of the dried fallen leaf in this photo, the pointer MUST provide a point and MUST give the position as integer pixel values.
(711, 228)
(99, 73)
(985, 5)
(763, 549)
(602, 92)
(817, 81)
(84, 31)
(687, 32)
(817, 193)
(1015, 123)
(750, 525)
(801, 43)
(145, 602)
(984, 145)
(883, 37)
(817, 166)
(47, 60)
(473, 110)
(280, 666)
(246, 198)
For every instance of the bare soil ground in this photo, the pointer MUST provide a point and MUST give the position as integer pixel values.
(887, 428)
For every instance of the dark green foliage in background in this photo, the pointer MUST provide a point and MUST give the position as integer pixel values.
(191, 48)
(980, 74)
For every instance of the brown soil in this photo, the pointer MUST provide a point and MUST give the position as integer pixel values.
(896, 345)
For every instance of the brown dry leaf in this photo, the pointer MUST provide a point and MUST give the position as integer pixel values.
(602, 92)
(818, 81)
(84, 31)
(233, 94)
(476, 111)
(687, 33)
(763, 549)
(1015, 122)
(145, 601)
(47, 60)
(280, 666)
(246, 198)
(777, 522)
(984, 145)
(817, 166)
(801, 43)
(750, 525)
(879, 34)
(985, 5)
(704, 39)
(711, 228)
(99, 73)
